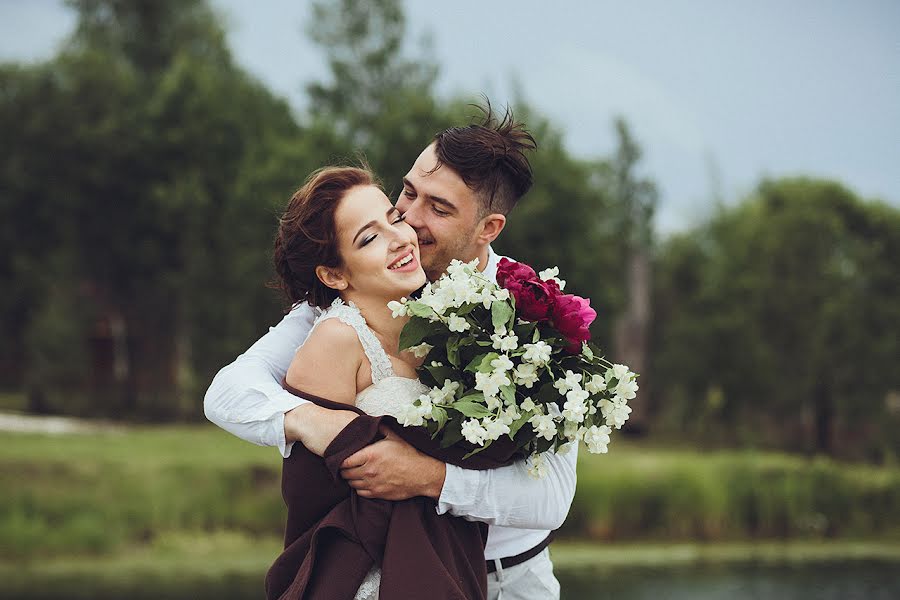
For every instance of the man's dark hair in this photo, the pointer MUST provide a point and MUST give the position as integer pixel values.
(490, 158)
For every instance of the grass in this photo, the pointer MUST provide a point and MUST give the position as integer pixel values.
(165, 494)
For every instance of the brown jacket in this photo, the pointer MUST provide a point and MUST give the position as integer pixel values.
(333, 536)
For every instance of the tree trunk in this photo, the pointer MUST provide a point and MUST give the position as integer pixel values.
(632, 331)
(823, 415)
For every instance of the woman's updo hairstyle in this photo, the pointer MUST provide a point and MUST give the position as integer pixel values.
(307, 235)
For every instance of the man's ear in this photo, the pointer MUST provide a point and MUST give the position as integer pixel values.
(331, 278)
(491, 226)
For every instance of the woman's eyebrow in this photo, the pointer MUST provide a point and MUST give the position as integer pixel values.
(370, 223)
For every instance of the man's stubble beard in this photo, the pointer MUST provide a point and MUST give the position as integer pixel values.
(463, 250)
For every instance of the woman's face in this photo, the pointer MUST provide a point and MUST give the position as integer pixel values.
(378, 249)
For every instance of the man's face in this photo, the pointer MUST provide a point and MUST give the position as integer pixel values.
(442, 210)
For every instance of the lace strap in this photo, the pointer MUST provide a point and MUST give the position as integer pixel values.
(349, 314)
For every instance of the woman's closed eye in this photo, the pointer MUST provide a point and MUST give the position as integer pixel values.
(399, 219)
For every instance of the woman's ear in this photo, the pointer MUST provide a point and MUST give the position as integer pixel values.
(331, 278)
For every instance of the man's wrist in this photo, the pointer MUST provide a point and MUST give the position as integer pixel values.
(435, 483)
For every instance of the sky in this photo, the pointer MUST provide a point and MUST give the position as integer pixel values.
(719, 94)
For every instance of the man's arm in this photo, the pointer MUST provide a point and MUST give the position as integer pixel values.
(510, 497)
(246, 397)
(391, 469)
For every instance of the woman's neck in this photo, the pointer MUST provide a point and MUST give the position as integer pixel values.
(378, 318)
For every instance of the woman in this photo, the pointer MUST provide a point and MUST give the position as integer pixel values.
(343, 247)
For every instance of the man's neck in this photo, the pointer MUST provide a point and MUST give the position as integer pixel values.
(483, 257)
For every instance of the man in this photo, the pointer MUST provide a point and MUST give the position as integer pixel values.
(456, 196)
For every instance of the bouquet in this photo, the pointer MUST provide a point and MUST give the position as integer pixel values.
(511, 358)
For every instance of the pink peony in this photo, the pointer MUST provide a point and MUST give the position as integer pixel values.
(572, 316)
(534, 298)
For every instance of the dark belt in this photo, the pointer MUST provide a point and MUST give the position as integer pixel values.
(518, 559)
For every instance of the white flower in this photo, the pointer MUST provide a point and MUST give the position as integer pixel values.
(436, 364)
(506, 343)
(538, 353)
(525, 374)
(398, 309)
(552, 273)
(619, 371)
(421, 350)
(501, 294)
(494, 427)
(543, 426)
(510, 414)
(538, 467)
(490, 383)
(457, 323)
(493, 402)
(445, 394)
(564, 449)
(527, 404)
(574, 409)
(410, 416)
(597, 438)
(474, 432)
(626, 388)
(502, 364)
(615, 412)
(573, 431)
(553, 411)
(595, 385)
(570, 381)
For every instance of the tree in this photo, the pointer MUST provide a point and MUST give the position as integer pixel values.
(772, 317)
(634, 201)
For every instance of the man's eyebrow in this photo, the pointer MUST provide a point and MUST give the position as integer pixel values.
(436, 199)
(370, 223)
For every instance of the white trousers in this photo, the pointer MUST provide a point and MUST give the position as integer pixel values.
(531, 580)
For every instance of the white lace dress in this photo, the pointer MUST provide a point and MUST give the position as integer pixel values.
(387, 395)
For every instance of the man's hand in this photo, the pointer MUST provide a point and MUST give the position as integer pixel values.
(391, 469)
(315, 427)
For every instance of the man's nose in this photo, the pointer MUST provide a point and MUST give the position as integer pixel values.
(413, 215)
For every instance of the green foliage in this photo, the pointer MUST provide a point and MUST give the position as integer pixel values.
(106, 491)
(634, 494)
(777, 313)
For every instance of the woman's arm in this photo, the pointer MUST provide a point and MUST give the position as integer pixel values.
(328, 363)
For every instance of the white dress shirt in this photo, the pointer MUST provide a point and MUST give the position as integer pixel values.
(247, 400)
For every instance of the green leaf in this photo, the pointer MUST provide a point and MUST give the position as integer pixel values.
(471, 409)
(416, 330)
(516, 425)
(453, 350)
(537, 336)
(439, 415)
(482, 363)
(501, 313)
(418, 309)
(452, 433)
(465, 309)
(508, 393)
(478, 449)
(441, 373)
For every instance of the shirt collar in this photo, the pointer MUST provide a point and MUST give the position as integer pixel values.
(490, 271)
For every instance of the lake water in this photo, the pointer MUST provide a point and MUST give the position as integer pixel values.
(826, 581)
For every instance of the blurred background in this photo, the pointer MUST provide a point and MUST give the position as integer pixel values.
(721, 179)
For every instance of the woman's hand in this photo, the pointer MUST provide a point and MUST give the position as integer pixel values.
(314, 426)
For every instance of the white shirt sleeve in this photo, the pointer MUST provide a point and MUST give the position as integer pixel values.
(246, 397)
(510, 497)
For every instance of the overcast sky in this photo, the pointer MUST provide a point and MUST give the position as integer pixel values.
(741, 89)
